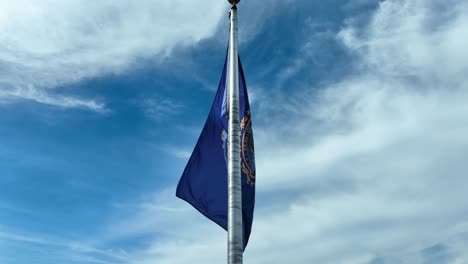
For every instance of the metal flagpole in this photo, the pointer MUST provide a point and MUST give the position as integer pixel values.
(235, 239)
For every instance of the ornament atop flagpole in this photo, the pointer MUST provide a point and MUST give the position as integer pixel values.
(233, 2)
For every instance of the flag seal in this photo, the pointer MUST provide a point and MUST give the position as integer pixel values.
(248, 150)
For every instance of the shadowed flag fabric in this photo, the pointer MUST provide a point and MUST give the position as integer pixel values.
(204, 181)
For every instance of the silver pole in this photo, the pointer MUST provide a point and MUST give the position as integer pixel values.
(235, 240)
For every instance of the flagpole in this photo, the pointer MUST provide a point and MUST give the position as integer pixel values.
(235, 239)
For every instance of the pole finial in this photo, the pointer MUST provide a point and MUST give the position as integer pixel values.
(233, 2)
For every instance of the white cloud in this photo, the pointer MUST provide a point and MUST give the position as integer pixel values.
(394, 131)
(46, 44)
(387, 144)
(178, 152)
(158, 108)
(65, 250)
(374, 171)
(171, 226)
(41, 96)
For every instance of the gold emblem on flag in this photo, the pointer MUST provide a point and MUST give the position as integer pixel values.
(248, 150)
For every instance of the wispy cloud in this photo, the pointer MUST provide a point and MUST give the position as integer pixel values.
(370, 170)
(66, 250)
(15, 208)
(47, 44)
(170, 226)
(392, 133)
(157, 108)
(178, 152)
(41, 96)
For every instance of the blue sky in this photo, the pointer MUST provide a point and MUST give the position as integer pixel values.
(359, 116)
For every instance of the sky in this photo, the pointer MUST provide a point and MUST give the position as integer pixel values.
(359, 113)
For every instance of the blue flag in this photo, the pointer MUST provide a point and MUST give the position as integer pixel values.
(204, 181)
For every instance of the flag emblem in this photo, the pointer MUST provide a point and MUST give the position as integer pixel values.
(248, 150)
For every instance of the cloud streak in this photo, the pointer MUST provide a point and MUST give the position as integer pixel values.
(63, 249)
(48, 44)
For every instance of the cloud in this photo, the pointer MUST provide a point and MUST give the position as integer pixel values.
(169, 225)
(370, 169)
(158, 108)
(178, 152)
(64, 250)
(41, 96)
(388, 144)
(47, 44)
